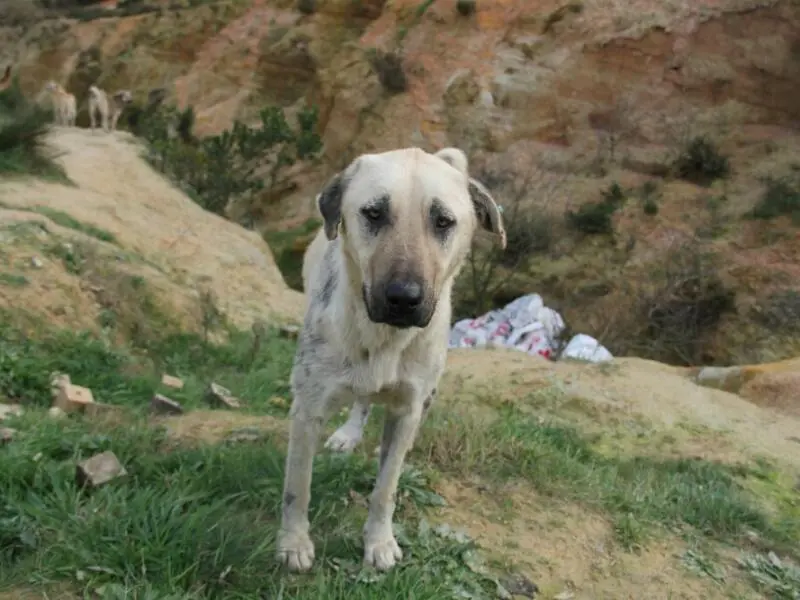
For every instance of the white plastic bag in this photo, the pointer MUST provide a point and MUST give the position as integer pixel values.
(585, 347)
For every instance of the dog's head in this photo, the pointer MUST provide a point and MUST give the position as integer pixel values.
(406, 219)
(123, 97)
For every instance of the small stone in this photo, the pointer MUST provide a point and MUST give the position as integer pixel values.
(165, 406)
(57, 382)
(56, 413)
(564, 596)
(99, 469)
(519, 585)
(246, 434)
(98, 409)
(216, 394)
(172, 382)
(36, 262)
(6, 434)
(73, 398)
(289, 331)
(9, 410)
(279, 402)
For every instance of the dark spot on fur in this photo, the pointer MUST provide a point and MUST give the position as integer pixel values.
(328, 288)
(377, 215)
(442, 220)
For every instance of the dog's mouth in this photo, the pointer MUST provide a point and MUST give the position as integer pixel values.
(381, 314)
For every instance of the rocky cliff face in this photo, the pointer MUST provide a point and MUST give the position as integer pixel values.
(563, 98)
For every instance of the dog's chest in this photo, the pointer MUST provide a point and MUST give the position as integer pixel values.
(378, 372)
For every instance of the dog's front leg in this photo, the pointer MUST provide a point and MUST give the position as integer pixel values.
(399, 428)
(295, 548)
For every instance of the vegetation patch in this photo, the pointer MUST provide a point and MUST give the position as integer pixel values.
(388, 66)
(594, 218)
(637, 492)
(65, 220)
(672, 315)
(781, 198)
(288, 248)
(23, 129)
(701, 162)
(196, 522)
(237, 164)
(648, 194)
(13, 280)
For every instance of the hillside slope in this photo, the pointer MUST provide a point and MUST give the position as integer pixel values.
(132, 213)
(577, 95)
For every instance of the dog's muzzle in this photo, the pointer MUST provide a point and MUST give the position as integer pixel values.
(401, 303)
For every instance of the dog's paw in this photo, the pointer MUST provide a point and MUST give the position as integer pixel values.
(382, 553)
(295, 550)
(344, 439)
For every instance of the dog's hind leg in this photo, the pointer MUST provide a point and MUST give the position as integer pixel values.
(380, 547)
(349, 435)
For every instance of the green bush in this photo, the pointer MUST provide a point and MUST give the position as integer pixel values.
(781, 198)
(23, 127)
(596, 217)
(465, 7)
(701, 162)
(389, 68)
(649, 194)
(237, 163)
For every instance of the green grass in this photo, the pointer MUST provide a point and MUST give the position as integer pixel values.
(195, 521)
(290, 262)
(61, 218)
(639, 493)
(13, 280)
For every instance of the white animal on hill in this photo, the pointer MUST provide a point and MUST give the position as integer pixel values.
(64, 104)
(108, 109)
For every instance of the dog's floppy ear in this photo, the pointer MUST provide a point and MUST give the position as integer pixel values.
(489, 215)
(329, 202)
(330, 198)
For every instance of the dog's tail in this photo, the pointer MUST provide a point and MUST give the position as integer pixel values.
(95, 91)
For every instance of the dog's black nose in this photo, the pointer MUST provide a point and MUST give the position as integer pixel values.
(403, 295)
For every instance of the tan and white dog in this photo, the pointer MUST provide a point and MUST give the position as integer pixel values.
(64, 105)
(107, 109)
(379, 277)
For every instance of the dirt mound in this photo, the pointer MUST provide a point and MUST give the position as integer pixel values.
(120, 215)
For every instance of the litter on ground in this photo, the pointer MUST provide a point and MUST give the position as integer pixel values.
(526, 324)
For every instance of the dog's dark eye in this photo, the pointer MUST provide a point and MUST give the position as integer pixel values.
(442, 222)
(372, 213)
